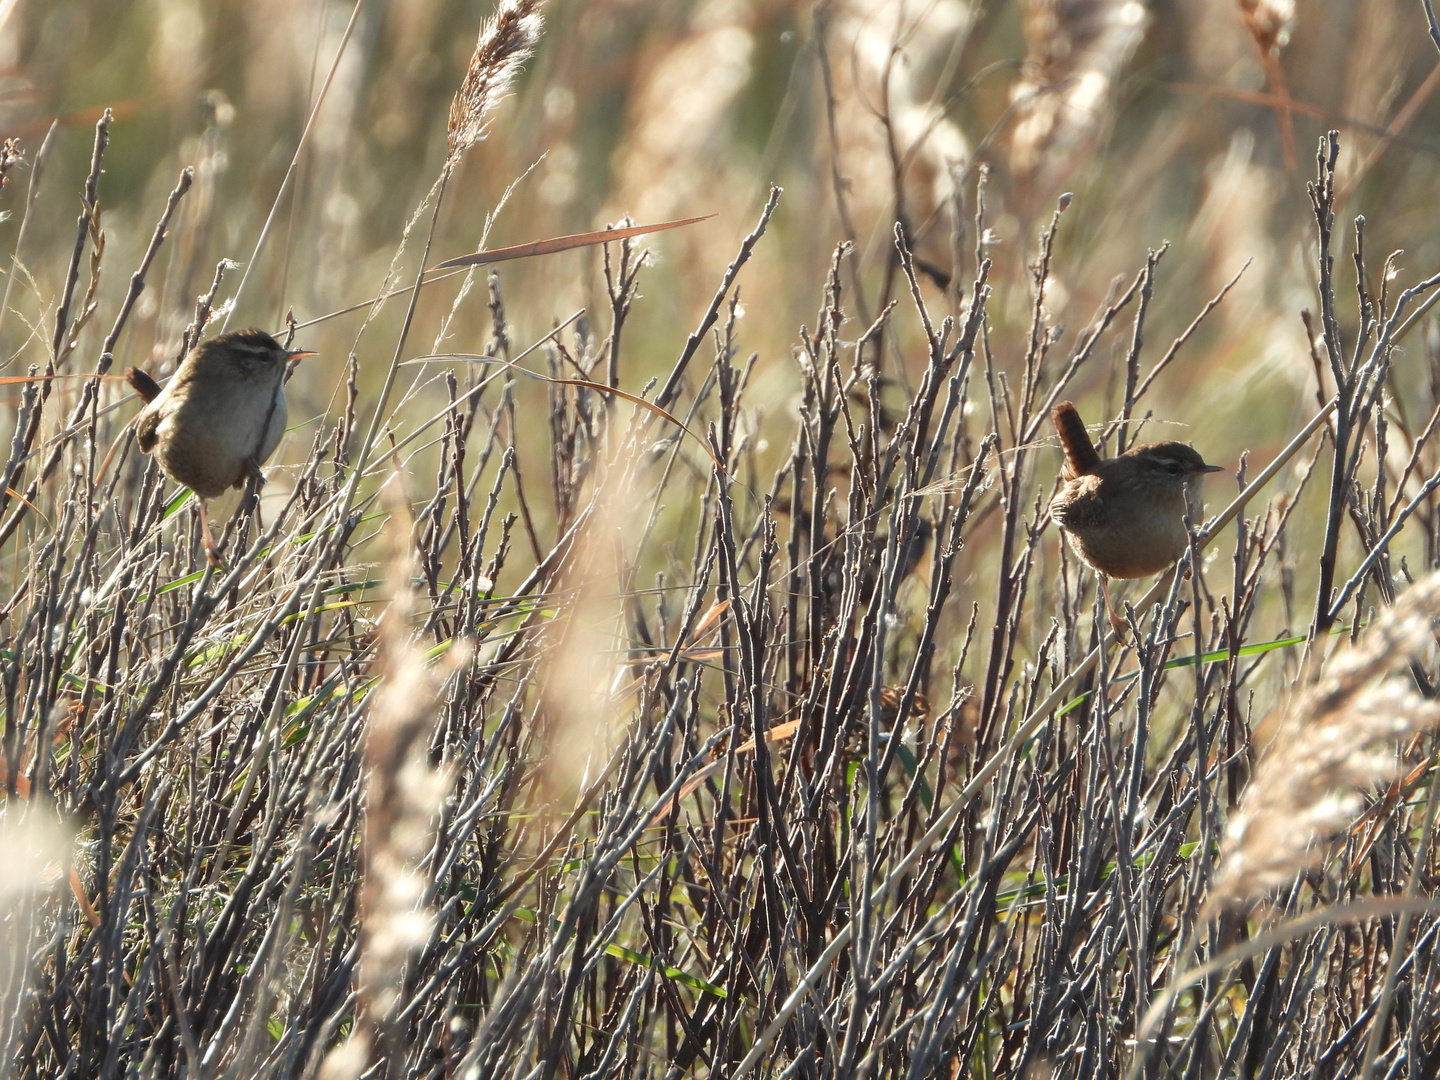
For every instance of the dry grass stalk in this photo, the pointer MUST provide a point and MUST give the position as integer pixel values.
(1075, 51)
(506, 41)
(1268, 23)
(1334, 740)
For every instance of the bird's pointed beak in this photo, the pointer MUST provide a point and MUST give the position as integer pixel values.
(1212, 468)
(300, 354)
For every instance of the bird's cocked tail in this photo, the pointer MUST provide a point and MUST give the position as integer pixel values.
(142, 384)
(1080, 454)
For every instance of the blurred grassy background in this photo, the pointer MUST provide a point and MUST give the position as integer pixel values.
(669, 108)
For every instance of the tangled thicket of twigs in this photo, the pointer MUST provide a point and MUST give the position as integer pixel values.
(683, 769)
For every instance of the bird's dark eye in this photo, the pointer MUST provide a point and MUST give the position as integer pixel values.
(1173, 468)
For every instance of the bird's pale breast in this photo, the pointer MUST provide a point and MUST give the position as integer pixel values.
(1121, 537)
(207, 441)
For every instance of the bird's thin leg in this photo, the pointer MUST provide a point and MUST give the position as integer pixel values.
(1116, 622)
(212, 553)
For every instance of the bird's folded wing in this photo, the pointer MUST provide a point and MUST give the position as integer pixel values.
(146, 426)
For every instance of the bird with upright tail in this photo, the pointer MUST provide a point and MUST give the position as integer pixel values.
(1125, 516)
(213, 425)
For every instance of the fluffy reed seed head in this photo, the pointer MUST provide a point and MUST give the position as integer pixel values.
(1075, 53)
(506, 41)
(1335, 739)
(403, 794)
(1268, 21)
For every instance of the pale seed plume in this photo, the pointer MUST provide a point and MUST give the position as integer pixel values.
(1268, 21)
(506, 41)
(1336, 739)
(1075, 52)
(403, 793)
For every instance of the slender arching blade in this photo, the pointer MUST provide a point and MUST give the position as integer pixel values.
(564, 243)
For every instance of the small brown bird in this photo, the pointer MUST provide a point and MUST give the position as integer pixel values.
(1125, 516)
(219, 418)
